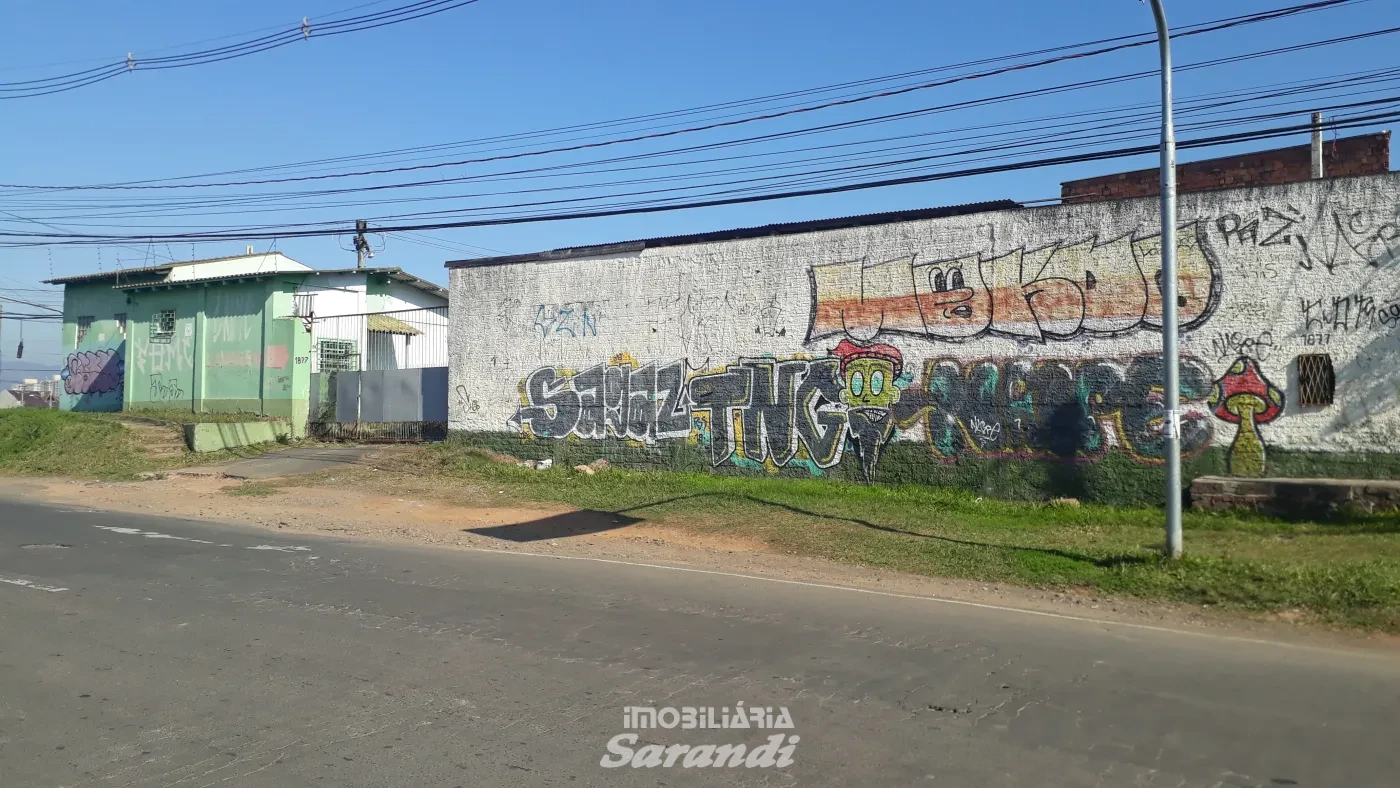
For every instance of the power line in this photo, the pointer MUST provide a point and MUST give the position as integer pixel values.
(1121, 122)
(672, 206)
(1116, 45)
(46, 86)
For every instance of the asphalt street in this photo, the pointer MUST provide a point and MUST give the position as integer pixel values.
(143, 651)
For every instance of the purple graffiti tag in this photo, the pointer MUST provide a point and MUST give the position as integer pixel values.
(93, 372)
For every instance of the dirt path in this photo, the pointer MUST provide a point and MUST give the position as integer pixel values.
(353, 503)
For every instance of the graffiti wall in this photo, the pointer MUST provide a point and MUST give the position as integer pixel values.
(1016, 336)
(93, 379)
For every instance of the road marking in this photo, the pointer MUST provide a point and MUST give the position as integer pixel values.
(943, 600)
(30, 584)
(149, 534)
(283, 548)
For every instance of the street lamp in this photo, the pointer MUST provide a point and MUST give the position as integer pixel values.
(1171, 385)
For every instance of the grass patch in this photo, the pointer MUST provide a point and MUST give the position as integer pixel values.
(1345, 574)
(181, 416)
(43, 442)
(254, 489)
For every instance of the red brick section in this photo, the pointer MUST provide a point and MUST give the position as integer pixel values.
(1366, 154)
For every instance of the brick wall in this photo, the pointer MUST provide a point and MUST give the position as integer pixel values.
(1367, 154)
(1013, 351)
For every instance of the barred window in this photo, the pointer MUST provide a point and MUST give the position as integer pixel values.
(338, 355)
(120, 317)
(163, 326)
(84, 326)
(1317, 382)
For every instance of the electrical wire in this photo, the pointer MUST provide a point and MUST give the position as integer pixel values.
(46, 86)
(1270, 133)
(1114, 47)
(1145, 37)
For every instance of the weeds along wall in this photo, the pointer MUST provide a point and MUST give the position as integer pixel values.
(1015, 352)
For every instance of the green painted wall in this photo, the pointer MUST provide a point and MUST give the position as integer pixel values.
(93, 369)
(229, 353)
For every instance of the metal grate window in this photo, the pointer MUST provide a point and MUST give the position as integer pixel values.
(84, 326)
(1317, 383)
(338, 355)
(163, 326)
(120, 317)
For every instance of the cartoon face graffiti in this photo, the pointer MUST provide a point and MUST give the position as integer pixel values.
(951, 303)
(869, 375)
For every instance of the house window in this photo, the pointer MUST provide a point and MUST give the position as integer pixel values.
(163, 326)
(120, 317)
(84, 326)
(338, 355)
(1317, 382)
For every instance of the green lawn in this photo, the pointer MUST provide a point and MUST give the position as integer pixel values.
(1346, 574)
(43, 442)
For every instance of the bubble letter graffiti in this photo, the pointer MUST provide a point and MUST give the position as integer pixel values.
(93, 372)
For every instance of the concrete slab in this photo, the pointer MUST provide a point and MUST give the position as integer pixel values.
(288, 462)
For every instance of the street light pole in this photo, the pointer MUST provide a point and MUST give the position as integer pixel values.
(1171, 390)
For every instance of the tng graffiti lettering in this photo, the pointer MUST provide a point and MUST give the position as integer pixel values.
(769, 412)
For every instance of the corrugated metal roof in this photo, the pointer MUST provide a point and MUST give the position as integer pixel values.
(163, 268)
(783, 228)
(391, 325)
(396, 274)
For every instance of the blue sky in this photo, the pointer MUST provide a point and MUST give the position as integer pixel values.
(507, 66)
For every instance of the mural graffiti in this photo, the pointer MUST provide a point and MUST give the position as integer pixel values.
(772, 413)
(644, 403)
(1056, 409)
(1243, 396)
(1052, 293)
(93, 372)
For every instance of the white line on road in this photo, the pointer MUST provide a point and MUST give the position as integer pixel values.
(31, 584)
(149, 534)
(283, 548)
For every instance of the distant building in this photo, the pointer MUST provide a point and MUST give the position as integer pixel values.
(1365, 154)
(232, 334)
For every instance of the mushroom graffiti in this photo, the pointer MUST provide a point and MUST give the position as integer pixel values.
(1245, 397)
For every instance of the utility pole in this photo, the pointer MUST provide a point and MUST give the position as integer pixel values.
(1316, 145)
(1171, 385)
(361, 245)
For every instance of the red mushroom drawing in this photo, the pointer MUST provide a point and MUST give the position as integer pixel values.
(1245, 397)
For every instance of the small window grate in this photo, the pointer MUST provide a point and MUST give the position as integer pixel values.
(1317, 383)
(338, 355)
(84, 326)
(120, 317)
(163, 326)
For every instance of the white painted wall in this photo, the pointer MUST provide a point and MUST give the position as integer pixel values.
(1272, 273)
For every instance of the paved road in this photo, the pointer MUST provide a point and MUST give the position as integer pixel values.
(160, 652)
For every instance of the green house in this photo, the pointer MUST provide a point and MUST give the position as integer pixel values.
(229, 334)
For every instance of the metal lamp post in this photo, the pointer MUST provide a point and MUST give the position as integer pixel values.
(1171, 385)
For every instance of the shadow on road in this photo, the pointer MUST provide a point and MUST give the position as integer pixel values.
(580, 523)
(590, 521)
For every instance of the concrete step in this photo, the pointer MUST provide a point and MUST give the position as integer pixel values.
(1315, 498)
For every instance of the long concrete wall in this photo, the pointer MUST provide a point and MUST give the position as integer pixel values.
(1015, 351)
